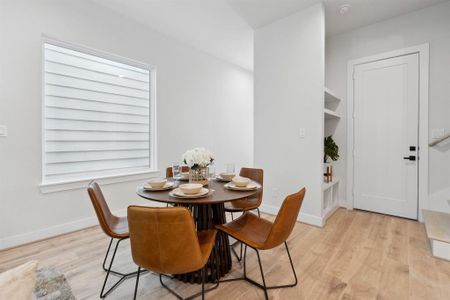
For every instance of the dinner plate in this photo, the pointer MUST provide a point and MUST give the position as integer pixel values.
(220, 178)
(250, 187)
(180, 178)
(178, 193)
(167, 186)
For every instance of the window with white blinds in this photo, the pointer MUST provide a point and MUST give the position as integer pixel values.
(97, 116)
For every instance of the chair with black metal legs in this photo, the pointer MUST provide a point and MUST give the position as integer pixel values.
(260, 234)
(250, 203)
(114, 227)
(164, 240)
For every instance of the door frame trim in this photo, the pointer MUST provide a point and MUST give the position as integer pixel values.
(424, 57)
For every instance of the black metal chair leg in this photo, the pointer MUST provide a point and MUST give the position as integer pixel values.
(238, 257)
(203, 282)
(232, 218)
(259, 213)
(293, 271)
(292, 265)
(204, 274)
(113, 272)
(245, 259)
(106, 256)
(262, 275)
(263, 286)
(169, 289)
(240, 253)
(103, 294)
(217, 266)
(137, 283)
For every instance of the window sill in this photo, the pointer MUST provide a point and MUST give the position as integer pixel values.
(58, 186)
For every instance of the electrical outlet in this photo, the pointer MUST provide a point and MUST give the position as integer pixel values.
(437, 133)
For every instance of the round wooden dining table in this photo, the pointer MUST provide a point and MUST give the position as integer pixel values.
(206, 212)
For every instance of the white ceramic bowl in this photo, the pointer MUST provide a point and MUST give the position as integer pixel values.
(227, 176)
(240, 181)
(157, 182)
(191, 188)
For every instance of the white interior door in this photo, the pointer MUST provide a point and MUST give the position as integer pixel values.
(386, 122)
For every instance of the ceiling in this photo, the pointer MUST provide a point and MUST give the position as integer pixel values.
(258, 13)
(365, 12)
(224, 28)
(209, 25)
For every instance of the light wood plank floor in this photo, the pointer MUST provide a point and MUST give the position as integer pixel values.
(358, 255)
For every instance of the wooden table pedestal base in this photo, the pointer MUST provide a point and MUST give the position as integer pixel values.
(206, 217)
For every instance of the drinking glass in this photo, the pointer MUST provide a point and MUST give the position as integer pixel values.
(230, 168)
(211, 171)
(176, 170)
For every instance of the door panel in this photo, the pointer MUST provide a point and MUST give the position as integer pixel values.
(386, 106)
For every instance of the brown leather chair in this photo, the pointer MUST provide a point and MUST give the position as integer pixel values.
(261, 234)
(252, 202)
(247, 204)
(169, 171)
(164, 240)
(114, 227)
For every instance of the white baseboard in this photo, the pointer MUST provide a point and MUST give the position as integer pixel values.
(41, 234)
(440, 249)
(33, 236)
(302, 217)
(330, 213)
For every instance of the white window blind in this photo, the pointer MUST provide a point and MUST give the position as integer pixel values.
(97, 116)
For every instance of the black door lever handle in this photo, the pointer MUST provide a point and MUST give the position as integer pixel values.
(411, 157)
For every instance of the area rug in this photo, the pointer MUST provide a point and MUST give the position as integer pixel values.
(51, 284)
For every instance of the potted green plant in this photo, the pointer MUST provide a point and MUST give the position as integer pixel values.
(331, 149)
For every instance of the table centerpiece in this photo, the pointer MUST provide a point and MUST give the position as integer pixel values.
(198, 160)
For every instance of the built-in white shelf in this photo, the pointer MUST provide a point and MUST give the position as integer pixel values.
(331, 96)
(329, 114)
(330, 190)
(328, 185)
(330, 198)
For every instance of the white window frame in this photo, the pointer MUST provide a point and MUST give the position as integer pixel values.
(78, 183)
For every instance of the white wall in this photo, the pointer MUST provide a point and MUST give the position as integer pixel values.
(430, 25)
(201, 101)
(289, 79)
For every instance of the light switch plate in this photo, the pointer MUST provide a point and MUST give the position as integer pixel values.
(3, 130)
(437, 133)
(302, 133)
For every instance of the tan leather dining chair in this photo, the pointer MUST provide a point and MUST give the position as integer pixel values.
(114, 227)
(250, 203)
(169, 171)
(260, 234)
(164, 241)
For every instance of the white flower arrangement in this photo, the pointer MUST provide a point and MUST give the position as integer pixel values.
(198, 157)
